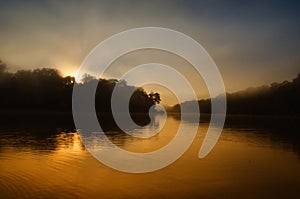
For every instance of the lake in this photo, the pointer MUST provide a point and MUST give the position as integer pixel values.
(251, 160)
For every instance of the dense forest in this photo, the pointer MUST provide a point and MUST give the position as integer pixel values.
(275, 99)
(47, 90)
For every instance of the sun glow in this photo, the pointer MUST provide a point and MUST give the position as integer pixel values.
(73, 73)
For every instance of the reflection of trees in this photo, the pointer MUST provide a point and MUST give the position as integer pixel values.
(155, 97)
(41, 141)
(108, 123)
(282, 130)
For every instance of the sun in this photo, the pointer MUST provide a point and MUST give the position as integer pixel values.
(77, 76)
(73, 73)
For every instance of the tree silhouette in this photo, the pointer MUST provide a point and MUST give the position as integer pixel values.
(155, 97)
(276, 99)
(47, 89)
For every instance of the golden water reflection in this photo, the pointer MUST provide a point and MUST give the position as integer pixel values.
(244, 164)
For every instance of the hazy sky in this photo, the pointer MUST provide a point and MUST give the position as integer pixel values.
(252, 42)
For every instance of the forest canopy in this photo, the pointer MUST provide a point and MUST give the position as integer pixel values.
(47, 89)
(277, 98)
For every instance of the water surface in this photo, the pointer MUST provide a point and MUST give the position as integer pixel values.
(247, 162)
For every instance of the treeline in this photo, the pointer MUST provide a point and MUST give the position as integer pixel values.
(46, 89)
(275, 99)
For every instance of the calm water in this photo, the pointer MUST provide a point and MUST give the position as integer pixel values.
(249, 161)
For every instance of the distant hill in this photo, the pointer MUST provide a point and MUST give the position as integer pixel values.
(275, 99)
